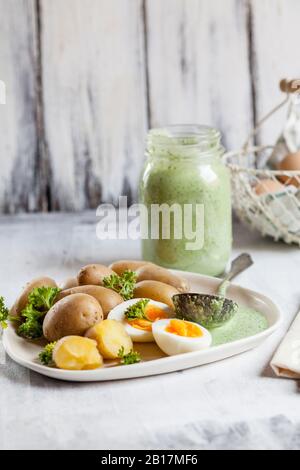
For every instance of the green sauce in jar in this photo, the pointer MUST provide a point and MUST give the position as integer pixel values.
(184, 167)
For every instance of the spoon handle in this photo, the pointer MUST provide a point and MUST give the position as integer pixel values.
(239, 265)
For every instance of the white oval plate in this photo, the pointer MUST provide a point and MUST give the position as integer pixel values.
(154, 360)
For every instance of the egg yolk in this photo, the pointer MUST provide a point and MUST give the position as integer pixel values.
(152, 314)
(183, 328)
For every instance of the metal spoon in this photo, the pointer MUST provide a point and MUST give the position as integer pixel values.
(212, 311)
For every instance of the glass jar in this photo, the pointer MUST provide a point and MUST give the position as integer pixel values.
(184, 167)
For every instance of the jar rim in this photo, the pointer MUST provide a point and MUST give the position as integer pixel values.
(185, 135)
(184, 141)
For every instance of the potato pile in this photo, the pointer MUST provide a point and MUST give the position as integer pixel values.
(74, 318)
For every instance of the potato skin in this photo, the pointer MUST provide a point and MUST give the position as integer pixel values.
(73, 315)
(77, 353)
(155, 290)
(157, 273)
(93, 274)
(110, 336)
(107, 298)
(22, 301)
(127, 265)
(69, 283)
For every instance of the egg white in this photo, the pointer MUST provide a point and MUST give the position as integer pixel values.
(172, 344)
(137, 336)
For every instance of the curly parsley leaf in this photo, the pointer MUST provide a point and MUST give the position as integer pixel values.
(40, 300)
(4, 313)
(137, 310)
(43, 298)
(46, 355)
(123, 285)
(132, 357)
(32, 327)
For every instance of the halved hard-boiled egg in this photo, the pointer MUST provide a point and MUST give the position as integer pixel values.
(179, 336)
(139, 315)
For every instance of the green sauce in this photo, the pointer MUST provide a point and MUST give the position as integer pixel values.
(247, 322)
(185, 171)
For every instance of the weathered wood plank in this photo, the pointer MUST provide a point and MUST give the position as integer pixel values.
(94, 98)
(205, 61)
(199, 64)
(19, 188)
(276, 39)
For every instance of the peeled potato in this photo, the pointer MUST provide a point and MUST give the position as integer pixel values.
(127, 265)
(93, 274)
(22, 301)
(151, 272)
(77, 353)
(110, 336)
(155, 290)
(107, 298)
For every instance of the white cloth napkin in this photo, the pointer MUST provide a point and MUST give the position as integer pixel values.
(286, 362)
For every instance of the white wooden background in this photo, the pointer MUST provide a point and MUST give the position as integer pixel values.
(86, 78)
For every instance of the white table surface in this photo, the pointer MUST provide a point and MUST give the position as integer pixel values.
(234, 404)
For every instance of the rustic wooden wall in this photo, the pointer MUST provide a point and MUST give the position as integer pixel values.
(86, 78)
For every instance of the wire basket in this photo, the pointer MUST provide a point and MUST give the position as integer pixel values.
(265, 199)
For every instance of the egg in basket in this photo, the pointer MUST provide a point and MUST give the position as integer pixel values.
(266, 179)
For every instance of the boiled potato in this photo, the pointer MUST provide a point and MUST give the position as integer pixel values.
(155, 290)
(93, 274)
(111, 336)
(77, 353)
(127, 265)
(69, 283)
(73, 315)
(107, 298)
(151, 272)
(22, 301)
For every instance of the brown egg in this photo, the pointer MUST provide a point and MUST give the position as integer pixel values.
(290, 163)
(268, 186)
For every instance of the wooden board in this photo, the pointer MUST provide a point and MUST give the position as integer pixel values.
(94, 99)
(198, 65)
(85, 79)
(19, 188)
(276, 37)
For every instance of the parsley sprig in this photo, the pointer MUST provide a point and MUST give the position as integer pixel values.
(4, 313)
(133, 357)
(40, 300)
(137, 310)
(43, 298)
(123, 285)
(46, 355)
